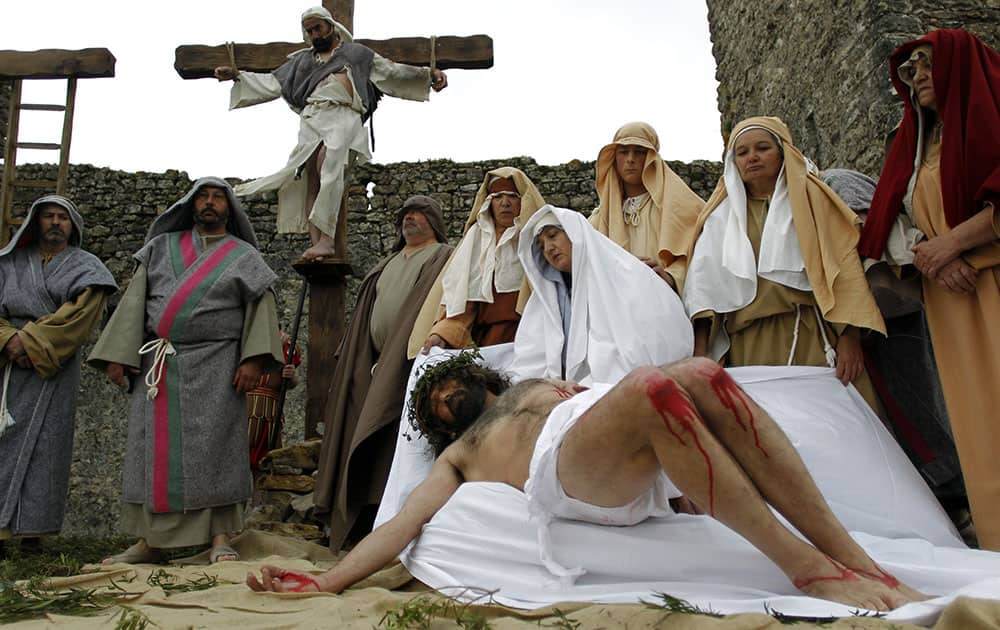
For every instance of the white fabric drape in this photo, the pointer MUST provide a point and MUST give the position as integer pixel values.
(623, 315)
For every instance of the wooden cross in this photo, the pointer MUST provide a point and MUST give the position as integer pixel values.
(473, 52)
(327, 280)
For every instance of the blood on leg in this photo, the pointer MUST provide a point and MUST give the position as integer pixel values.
(672, 403)
(732, 398)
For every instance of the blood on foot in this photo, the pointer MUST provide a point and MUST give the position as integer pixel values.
(300, 580)
(880, 576)
(843, 575)
(729, 394)
(670, 402)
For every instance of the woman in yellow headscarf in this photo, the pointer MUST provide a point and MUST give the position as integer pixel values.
(644, 206)
(479, 297)
(774, 277)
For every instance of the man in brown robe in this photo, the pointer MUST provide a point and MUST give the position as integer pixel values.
(369, 383)
(52, 295)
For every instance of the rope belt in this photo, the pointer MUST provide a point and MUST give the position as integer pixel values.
(6, 420)
(160, 348)
(828, 351)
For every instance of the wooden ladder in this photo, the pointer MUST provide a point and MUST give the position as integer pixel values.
(10, 183)
(17, 66)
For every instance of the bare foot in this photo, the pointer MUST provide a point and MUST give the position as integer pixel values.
(317, 253)
(139, 553)
(908, 593)
(840, 584)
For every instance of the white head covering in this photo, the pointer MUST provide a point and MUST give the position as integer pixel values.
(480, 262)
(722, 276)
(623, 315)
(323, 14)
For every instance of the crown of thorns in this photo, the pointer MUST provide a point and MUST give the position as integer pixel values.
(434, 375)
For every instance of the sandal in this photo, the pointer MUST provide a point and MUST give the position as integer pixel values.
(221, 551)
(138, 553)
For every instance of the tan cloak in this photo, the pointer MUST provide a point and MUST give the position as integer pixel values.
(671, 214)
(966, 346)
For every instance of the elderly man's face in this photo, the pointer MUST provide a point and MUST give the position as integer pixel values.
(321, 34)
(416, 228)
(211, 208)
(54, 226)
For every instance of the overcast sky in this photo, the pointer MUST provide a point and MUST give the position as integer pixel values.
(566, 74)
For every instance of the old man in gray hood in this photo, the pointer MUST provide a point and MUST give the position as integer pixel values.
(52, 295)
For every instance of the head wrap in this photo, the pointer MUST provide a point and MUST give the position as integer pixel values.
(547, 218)
(471, 273)
(321, 13)
(622, 314)
(180, 216)
(966, 77)
(678, 204)
(27, 234)
(430, 208)
(808, 242)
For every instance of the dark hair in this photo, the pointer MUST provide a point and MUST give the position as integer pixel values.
(466, 405)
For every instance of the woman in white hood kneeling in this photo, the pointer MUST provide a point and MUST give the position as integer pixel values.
(596, 311)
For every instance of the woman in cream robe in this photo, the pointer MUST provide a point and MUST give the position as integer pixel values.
(774, 277)
(480, 295)
(943, 171)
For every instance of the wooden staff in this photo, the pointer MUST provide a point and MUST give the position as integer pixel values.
(279, 420)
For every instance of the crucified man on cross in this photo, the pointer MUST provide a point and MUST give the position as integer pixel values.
(334, 86)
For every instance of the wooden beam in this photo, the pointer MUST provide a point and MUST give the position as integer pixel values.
(57, 64)
(469, 53)
(342, 11)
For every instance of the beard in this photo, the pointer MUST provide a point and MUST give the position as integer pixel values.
(324, 44)
(54, 236)
(216, 219)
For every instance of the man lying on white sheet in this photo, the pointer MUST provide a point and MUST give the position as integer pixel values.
(602, 458)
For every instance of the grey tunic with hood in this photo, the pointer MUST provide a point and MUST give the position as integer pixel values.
(210, 299)
(38, 447)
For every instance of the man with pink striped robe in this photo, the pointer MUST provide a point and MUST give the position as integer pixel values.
(193, 332)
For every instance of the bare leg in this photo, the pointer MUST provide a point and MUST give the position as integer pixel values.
(322, 243)
(648, 422)
(763, 451)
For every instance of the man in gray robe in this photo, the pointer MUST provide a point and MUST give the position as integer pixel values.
(197, 326)
(52, 295)
(334, 86)
(369, 383)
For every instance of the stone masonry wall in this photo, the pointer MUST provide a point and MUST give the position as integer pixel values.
(822, 66)
(118, 208)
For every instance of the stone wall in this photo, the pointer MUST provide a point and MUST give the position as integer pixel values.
(822, 66)
(118, 207)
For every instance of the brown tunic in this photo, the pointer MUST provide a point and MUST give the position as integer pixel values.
(482, 323)
(966, 347)
(762, 333)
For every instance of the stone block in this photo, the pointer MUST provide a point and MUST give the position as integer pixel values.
(303, 455)
(292, 530)
(294, 483)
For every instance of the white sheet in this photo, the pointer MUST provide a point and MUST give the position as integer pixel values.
(483, 538)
